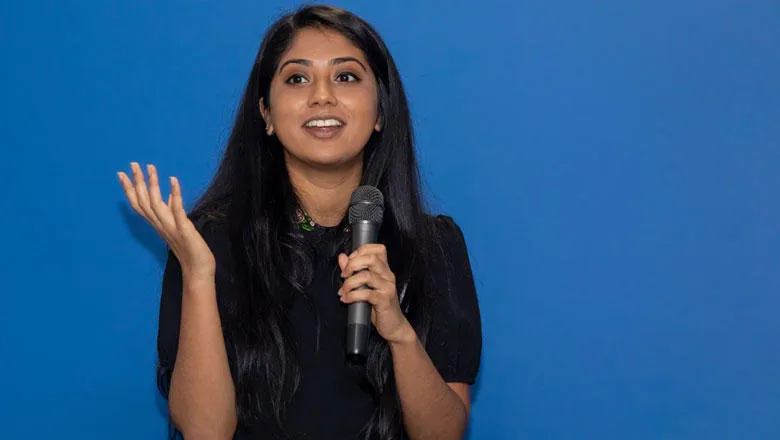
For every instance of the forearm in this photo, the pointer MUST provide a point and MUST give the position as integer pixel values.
(202, 396)
(431, 409)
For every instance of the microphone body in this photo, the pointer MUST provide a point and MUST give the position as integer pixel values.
(359, 313)
(366, 210)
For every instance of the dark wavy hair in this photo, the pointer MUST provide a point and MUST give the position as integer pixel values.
(251, 193)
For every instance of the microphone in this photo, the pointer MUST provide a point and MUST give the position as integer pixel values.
(366, 209)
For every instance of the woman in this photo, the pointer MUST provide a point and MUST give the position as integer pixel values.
(259, 274)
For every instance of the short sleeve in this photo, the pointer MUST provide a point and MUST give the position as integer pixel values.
(455, 341)
(169, 319)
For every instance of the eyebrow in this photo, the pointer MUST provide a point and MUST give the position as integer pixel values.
(333, 62)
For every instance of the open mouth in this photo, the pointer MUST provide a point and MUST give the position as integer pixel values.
(324, 127)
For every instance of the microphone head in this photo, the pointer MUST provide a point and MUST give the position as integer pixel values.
(366, 204)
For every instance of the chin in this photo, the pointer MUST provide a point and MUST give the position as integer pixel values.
(334, 162)
(330, 159)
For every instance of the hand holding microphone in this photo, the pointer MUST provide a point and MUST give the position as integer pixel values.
(369, 285)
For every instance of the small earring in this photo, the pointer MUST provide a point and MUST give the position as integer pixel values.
(269, 130)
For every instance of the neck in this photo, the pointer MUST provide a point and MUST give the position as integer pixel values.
(324, 193)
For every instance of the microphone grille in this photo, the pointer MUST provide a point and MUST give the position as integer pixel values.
(366, 204)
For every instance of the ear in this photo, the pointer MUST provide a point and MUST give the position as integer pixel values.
(266, 114)
(378, 125)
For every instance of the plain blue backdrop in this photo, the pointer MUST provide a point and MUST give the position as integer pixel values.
(615, 167)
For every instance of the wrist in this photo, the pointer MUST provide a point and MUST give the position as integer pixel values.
(199, 271)
(197, 279)
(404, 337)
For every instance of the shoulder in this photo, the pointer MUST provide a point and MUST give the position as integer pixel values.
(210, 227)
(216, 234)
(439, 220)
(443, 228)
(445, 239)
(448, 259)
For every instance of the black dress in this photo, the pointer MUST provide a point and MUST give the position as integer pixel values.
(330, 403)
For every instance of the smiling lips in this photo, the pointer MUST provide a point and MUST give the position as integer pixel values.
(324, 127)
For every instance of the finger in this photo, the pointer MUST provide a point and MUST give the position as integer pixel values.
(369, 295)
(143, 195)
(177, 204)
(160, 209)
(356, 281)
(361, 262)
(343, 260)
(371, 262)
(368, 249)
(127, 186)
(366, 280)
(353, 265)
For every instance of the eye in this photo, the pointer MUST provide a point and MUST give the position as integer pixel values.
(347, 77)
(297, 79)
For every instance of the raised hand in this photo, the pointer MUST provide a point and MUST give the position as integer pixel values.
(169, 220)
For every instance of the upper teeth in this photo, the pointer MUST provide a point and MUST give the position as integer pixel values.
(324, 123)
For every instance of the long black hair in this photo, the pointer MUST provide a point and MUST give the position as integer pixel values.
(252, 194)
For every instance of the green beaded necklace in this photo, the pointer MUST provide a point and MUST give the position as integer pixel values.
(305, 222)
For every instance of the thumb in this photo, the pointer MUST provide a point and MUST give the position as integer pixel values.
(343, 260)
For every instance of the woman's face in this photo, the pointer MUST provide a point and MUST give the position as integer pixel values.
(323, 100)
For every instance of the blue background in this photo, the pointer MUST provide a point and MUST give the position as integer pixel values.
(614, 166)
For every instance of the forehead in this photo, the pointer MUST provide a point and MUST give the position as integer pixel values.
(321, 44)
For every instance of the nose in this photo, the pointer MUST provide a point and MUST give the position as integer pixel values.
(322, 93)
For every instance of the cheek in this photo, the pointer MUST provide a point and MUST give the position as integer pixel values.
(285, 118)
(286, 108)
(363, 108)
